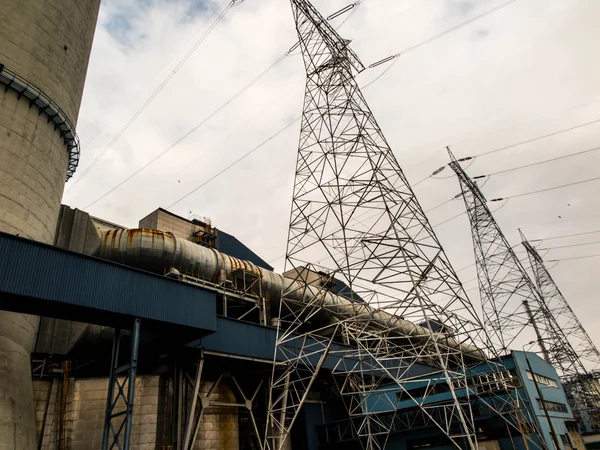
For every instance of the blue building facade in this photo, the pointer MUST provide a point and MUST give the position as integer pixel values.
(413, 430)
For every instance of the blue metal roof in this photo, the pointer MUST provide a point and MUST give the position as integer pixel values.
(40, 279)
(226, 243)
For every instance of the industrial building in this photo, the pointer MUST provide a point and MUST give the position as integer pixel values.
(222, 356)
(44, 53)
(176, 335)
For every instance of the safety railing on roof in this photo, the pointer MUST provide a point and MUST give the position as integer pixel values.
(51, 110)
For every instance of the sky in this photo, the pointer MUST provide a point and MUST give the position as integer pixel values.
(527, 70)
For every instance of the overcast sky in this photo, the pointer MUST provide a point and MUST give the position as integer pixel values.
(528, 69)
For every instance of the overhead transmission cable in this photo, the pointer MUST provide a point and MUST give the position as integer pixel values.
(244, 156)
(565, 236)
(505, 199)
(516, 144)
(584, 244)
(547, 189)
(200, 156)
(574, 257)
(394, 57)
(140, 91)
(193, 129)
(555, 133)
(291, 50)
(215, 112)
(500, 172)
(157, 91)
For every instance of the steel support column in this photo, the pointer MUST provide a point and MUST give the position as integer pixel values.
(192, 414)
(118, 417)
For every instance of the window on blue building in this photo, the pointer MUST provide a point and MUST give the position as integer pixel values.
(542, 379)
(552, 406)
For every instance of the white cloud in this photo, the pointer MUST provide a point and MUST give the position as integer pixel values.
(524, 71)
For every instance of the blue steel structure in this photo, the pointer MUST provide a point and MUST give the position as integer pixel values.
(118, 433)
(41, 279)
(412, 430)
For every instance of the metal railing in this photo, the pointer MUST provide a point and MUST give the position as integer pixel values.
(45, 105)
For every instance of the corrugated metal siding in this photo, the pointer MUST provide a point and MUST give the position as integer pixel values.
(241, 338)
(256, 341)
(42, 272)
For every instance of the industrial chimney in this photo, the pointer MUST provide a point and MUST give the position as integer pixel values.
(44, 53)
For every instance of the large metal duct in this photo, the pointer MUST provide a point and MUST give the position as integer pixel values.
(160, 251)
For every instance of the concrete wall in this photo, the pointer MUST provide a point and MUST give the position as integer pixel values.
(162, 220)
(84, 415)
(48, 406)
(34, 35)
(58, 336)
(48, 43)
(219, 428)
(76, 231)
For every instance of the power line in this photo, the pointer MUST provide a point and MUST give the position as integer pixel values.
(564, 236)
(505, 199)
(394, 57)
(202, 155)
(464, 212)
(448, 220)
(215, 112)
(569, 246)
(102, 127)
(550, 189)
(245, 155)
(539, 163)
(440, 205)
(575, 257)
(157, 91)
(555, 133)
(195, 128)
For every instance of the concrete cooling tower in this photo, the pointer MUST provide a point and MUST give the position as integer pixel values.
(44, 52)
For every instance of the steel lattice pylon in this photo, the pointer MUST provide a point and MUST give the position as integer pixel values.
(371, 294)
(508, 295)
(583, 389)
(513, 308)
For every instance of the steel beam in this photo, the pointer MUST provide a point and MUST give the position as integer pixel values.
(118, 418)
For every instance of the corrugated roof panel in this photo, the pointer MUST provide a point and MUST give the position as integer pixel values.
(41, 279)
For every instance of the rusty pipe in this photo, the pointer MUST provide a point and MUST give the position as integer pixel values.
(159, 251)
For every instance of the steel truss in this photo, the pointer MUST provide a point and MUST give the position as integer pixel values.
(581, 387)
(513, 309)
(201, 402)
(119, 406)
(359, 237)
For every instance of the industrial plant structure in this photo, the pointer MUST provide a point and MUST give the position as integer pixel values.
(44, 53)
(220, 352)
(176, 335)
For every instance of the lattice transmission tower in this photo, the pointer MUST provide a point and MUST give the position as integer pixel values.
(584, 389)
(514, 310)
(370, 293)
